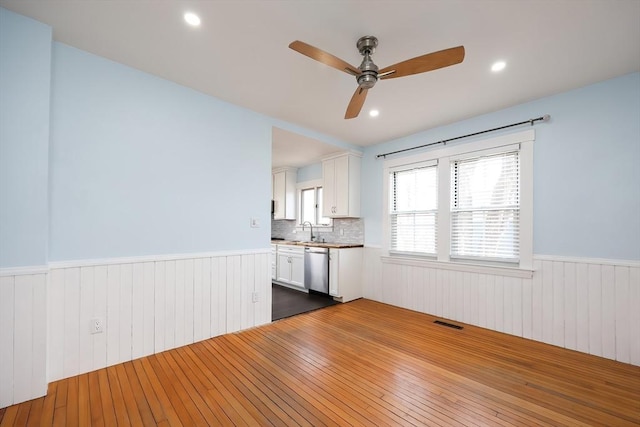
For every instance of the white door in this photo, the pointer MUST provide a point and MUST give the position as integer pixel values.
(328, 188)
(279, 188)
(334, 268)
(284, 268)
(297, 270)
(341, 186)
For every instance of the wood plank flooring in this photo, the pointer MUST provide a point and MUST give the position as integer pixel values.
(361, 363)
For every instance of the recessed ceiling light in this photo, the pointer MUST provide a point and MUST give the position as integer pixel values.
(374, 113)
(192, 19)
(498, 66)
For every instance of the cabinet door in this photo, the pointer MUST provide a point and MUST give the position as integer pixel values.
(279, 196)
(341, 186)
(284, 268)
(297, 270)
(334, 268)
(274, 264)
(328, 188)
(346, 273)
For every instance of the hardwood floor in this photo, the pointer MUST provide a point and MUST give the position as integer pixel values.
(361, 363)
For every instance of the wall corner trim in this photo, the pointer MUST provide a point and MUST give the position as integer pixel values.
(152, 258)
(581, 260)
(23, 271)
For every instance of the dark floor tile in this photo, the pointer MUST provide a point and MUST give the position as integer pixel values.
(289, 302)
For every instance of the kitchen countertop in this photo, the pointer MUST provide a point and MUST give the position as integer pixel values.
(318, 244)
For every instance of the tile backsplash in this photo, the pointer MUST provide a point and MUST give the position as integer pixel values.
(345, 230)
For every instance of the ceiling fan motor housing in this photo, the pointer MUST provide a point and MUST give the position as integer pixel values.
(369, 76)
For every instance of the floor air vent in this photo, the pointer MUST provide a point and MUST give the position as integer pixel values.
(448, 325)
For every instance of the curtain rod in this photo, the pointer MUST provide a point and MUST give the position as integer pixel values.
(544, 118)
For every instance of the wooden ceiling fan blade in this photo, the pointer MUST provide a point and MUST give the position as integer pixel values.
(324, 57)
(421, 64)
(356, 103)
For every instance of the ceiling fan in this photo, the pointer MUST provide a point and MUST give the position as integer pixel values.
(368, 73)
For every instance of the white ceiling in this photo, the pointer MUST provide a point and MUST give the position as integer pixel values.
(240, 54)
(291, 149)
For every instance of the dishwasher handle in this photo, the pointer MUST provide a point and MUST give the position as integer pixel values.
(316, 250)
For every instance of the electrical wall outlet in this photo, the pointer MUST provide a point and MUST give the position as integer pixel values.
(342, 231)
(255, 223)
(96, 326)
(255, 297)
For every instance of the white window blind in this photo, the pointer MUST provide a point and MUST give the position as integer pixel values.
(485, 207)
(414, 210)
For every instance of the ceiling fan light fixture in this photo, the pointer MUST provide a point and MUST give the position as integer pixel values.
(374, 113)
(498, 66)
(192, 19)
(368, 73)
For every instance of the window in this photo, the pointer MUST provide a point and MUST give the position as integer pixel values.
(414, 210)
(485, 207)
(470, 203)
(310, 205)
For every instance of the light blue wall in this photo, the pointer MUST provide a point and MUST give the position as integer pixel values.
(126, 163)
(25, 68)
(143, 166)
(310, 172)
(586, 169)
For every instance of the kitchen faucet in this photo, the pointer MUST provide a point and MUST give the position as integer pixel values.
(311, 227)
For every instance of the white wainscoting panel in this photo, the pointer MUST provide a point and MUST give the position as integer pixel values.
(586, 305)
(146, 307)
(23, 338)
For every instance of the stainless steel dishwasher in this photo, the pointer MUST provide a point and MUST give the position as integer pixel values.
(316, 269)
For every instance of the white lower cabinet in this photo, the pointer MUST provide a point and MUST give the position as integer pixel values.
(345, 270)
(290, 265)
(345, 273)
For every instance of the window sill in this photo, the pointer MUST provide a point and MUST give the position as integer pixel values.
(459, 266)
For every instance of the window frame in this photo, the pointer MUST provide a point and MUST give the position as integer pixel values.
(406, 168)
(523, 142)
(479, 157)
(306, 185)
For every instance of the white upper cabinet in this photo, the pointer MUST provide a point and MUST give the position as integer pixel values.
(284, 193)
(341, 187)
